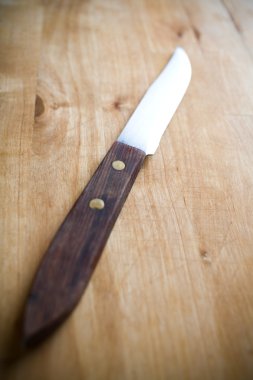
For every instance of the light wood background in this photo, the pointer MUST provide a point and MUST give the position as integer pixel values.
(172, 297)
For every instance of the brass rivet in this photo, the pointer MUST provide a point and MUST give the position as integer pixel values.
(97, 203)
(118, 165)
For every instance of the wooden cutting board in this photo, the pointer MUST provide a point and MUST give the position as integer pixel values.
(172, 297)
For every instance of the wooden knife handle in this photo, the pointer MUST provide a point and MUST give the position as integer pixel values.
(74, 252)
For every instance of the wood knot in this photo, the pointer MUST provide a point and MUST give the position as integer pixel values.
(205, 256)
(120, 103)
(39, 106)
(117, 104)
(180, 33)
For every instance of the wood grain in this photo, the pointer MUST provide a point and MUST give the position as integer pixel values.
(18, 67)
(73, 254)
(172, 295)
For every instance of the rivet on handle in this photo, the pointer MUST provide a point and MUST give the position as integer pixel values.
(118, 165)
(97, 203)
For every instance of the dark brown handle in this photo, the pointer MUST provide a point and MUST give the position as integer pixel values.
(72, 256)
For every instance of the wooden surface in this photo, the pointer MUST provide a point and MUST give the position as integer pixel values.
(172, 296)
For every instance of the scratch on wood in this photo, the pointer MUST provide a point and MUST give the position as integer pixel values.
(226, 236)
(196, 32)
(232, 18)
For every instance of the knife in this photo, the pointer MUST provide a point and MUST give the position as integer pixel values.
(70, 260)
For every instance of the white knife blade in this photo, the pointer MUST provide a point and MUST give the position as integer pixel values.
(153, 114)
